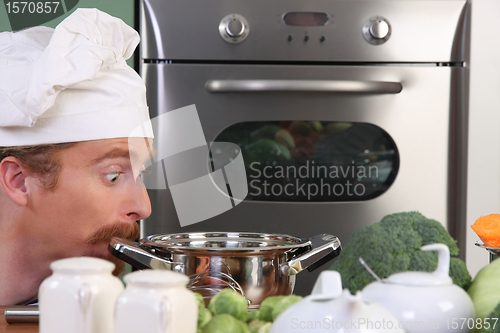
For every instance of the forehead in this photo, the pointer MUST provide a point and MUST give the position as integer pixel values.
(93, 152)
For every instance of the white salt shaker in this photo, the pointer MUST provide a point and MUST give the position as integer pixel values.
(79, 296)
(156, 301)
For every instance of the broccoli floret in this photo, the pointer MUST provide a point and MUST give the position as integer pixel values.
(393, 245)
(459, 273)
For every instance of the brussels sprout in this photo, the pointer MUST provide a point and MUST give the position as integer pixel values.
(252, 315)
(205, 318)
(284, 304)
(204, 315)
(255, 325)
(225, 323)
(267, 306)
(230, 302)
(265, 328)
(199, 299)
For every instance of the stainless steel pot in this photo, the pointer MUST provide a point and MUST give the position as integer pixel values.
(262, 264)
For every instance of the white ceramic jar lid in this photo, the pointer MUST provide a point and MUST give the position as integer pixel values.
(82, 265)
(161, 278)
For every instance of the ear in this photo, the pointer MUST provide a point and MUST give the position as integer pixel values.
(13, 180)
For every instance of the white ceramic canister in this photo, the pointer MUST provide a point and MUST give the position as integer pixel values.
(156, 301)
(79, 296)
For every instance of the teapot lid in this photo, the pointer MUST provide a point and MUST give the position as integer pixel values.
(419, 279)
(439, 277)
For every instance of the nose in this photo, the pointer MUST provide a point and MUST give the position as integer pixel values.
(138, 205)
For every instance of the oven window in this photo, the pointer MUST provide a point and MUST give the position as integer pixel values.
(314, 161)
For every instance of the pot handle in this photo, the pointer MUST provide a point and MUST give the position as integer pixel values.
(324, 248)
(132, 253)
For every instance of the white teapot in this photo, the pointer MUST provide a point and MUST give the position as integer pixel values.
(425, 302)
(329, 309)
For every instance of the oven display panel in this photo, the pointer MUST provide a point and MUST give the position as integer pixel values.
(305, 19)
(314, 161)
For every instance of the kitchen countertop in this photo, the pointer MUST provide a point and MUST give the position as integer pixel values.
(13, 328)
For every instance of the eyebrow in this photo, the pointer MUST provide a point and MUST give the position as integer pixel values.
(114, 153)
(122, 153)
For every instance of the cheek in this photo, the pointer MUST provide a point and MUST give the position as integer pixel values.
(74, 203)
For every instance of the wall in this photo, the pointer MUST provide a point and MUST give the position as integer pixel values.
(483, 195)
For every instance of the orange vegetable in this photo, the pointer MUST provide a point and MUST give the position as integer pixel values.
(488, 229)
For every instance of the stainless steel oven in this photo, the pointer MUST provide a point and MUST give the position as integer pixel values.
(345, 111)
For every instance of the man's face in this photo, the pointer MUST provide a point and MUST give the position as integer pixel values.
(97, 197)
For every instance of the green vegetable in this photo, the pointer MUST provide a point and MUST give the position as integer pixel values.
(393, 245)
(253, 315)
(204, 315)
(266, 150)
(265, 328)
(230, 302)
(267, 307)
(284, 304)
(285, 138)
(225, 323)
(485, 289)
(494, 325)
(267, 131)
(301, 128)
(255, 325)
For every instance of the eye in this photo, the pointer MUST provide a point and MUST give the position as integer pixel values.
(113, 176)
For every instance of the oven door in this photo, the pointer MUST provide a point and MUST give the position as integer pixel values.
(327, 149)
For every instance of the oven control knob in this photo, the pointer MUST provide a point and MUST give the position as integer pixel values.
(379, 29)
(376, 30)
(234, 28)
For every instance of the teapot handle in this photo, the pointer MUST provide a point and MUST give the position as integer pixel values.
(443, 267)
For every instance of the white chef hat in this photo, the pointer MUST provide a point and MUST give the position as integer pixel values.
(71, 83)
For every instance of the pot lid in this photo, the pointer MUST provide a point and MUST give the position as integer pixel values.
(226, 241)
(439, 277)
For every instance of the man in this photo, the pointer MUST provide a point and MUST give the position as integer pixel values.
(74, 136)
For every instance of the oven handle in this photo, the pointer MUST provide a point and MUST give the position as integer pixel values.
(335, 86)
